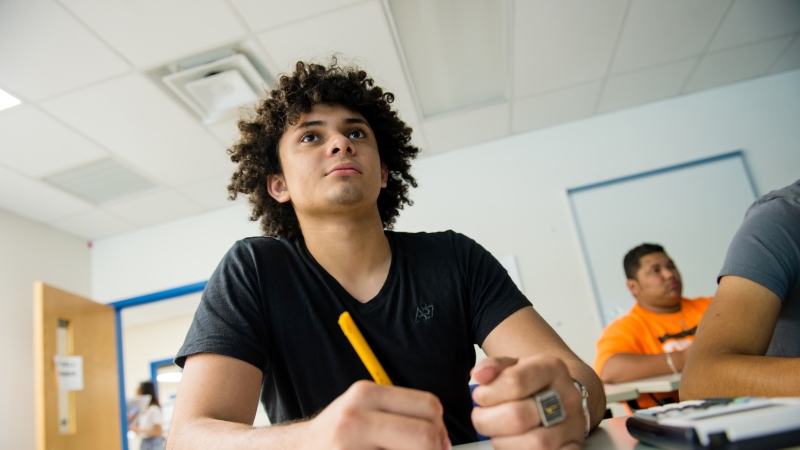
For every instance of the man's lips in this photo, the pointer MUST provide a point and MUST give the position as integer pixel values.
(344, 169)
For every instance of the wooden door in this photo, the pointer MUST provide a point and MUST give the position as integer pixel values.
(67, 323)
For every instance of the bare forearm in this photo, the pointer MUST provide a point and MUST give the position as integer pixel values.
(212, 434)
(597, 397)
(629, 366)
(733, 375)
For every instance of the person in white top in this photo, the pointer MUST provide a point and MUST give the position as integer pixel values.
(148, 423)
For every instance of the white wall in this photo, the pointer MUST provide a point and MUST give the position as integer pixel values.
(510, 195)
(29, 252)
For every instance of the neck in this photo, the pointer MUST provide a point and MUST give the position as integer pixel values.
(352, 248)
(661, 309)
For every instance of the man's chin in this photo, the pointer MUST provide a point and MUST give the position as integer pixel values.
(347, 196)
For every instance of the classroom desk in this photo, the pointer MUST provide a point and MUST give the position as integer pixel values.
(618, 393)
(610, 435)
(662, 383)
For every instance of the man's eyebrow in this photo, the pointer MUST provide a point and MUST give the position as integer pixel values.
(311, 123)
(319, 123)
(355, 120)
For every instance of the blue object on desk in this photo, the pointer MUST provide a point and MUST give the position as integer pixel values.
(471, 389)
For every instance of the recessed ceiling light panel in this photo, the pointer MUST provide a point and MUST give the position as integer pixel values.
(101, 182)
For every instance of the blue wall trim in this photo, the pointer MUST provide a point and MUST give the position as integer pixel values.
(734, 154)
(158, 296)
(138, 301)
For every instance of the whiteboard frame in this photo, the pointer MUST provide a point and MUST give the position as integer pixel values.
(584, 250)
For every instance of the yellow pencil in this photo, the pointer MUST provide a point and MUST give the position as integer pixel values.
(362, 348)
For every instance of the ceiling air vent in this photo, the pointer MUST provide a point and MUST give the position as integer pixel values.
(101, 182)
(217, 89)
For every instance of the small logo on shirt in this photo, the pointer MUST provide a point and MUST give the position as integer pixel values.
(424, 312)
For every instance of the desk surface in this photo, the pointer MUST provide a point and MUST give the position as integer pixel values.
(610, 435)
(663, 383)
(616, 393)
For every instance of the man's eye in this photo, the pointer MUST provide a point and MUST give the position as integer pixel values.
(355, 134)
(308, 138)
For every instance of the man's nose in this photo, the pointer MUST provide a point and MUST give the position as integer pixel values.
(340, 143)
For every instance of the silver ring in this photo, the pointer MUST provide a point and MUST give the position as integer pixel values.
(551, 410)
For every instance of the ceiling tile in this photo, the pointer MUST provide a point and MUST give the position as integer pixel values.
(211, 193)
(45, 51)
(263, 14)
(151, 32)
(460, 129)
(154, 208)
(36, 200)
(33, 143)
(790, 58)
(736, 64)
(554, 108)
(659, 32)
(131, 118)
(749, 21)
(441, 42)
(226, 131)
(94, 224)
(563, 43)
(357, 34)
(648, 85)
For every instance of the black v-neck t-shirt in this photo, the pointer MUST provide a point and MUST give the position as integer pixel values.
(269, 303)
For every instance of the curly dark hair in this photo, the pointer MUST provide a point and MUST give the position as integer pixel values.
(257, 155)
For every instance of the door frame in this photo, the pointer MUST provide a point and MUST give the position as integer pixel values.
(128, 303)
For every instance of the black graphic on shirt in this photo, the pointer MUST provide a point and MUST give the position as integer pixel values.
(424, 312)
(682, 334)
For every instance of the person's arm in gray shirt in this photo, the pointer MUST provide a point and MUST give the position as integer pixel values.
(728, 358)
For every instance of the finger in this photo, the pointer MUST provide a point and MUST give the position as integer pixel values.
(556, 437)
(488, 368)
(396, 432)
(397, 400)
(521, 380)
(506, 419)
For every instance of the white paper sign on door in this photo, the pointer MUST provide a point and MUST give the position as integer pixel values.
(69, 370)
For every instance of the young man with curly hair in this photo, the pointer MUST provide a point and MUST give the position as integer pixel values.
(325, 164)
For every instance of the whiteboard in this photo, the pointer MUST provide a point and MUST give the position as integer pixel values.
(692, 209)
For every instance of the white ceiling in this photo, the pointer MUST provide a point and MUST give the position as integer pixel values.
(83, 68)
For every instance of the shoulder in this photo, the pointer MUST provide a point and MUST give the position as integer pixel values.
(625, 325)
(254, 248)
(699, 302)
(778, 205)
(441, 242)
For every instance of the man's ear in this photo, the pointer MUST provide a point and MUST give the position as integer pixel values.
(633, 286)
(384, 175)
(276, 186)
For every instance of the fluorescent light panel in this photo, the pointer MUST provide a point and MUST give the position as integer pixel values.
(455, 51)
(7, 100)
(101, 182)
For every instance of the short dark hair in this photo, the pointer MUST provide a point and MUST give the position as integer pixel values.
(312, 84)
(631, 261)
(148, 388)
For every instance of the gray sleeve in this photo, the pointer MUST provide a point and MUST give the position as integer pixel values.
(766, 248)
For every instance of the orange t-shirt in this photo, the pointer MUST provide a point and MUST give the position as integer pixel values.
(648, 333)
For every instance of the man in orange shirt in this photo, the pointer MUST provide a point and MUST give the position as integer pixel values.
(654, 337)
